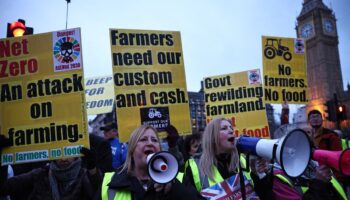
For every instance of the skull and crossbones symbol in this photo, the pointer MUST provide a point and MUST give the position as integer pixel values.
(67, 51)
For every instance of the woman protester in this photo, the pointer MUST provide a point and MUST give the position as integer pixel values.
(60, 179)
(133, 182)
(220, 161)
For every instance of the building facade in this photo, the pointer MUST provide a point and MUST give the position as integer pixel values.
(197, 110)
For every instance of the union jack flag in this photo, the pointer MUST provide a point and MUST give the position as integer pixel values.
(229, 189)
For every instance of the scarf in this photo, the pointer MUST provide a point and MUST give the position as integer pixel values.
(62, 180)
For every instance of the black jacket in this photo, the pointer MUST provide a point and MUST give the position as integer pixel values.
(321, 191)
(124, 181)
(103, 151)
(38, 181)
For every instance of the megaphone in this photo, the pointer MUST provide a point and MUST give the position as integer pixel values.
(292, 152)
(339, 160)
(162, 167)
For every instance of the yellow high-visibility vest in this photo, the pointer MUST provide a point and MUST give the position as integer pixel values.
(302, 189)
(217, 178)
(121, 194)
(345, 144)
(105, 194)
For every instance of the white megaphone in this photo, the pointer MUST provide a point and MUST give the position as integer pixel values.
(339, 160)
(292, 152)
(162, 167)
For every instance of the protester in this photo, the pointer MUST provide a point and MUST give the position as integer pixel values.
(172, 138)
(61, 179)
(133, 181)
(326, 139)
(345, 143)
(103, 150)
(316, 183)
(219, 161)
(285, 113)
(192, 146)
(322, 138)
(118, 149)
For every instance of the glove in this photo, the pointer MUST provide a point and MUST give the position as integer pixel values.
(4, 142)
(172, 137)
(90, 157)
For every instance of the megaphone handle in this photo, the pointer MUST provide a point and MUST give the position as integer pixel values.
(274, 149)
(241, 179)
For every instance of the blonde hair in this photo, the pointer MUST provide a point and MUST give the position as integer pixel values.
(210, 143)
(132, 143)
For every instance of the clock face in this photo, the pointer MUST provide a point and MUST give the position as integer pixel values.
(307, 30)
(328, 26)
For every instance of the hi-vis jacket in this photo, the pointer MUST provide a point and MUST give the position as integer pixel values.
(123, 187)
(345, 143)
(302, 190)
(201, 181)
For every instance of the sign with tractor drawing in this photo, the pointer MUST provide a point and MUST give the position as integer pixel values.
(284, 70)
(273, 47)
(158, 117)
(154, 113)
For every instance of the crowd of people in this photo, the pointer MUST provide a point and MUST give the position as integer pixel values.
(110, 169)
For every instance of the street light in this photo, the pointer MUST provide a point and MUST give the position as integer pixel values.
(341, 112)
(340, 109)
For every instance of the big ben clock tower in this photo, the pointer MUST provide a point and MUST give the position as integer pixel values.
(317, 25)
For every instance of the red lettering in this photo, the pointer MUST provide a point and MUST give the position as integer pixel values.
(233, 121)
(5, 49)
(25, 47)
(265, 131)
(257, 133)
(250, 132)
(3, 64)
(236, 133)
(75, 65)
(61, 34)
(16, 68)
(16, 48)
(61, 67)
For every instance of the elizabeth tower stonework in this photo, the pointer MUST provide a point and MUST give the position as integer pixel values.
(317, 24)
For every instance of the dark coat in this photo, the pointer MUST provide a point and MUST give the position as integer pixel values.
(123, 181)
(328, 140)
(38, 180)
(103, 151)
(319, 190)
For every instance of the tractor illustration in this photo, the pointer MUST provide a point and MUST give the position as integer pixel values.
(152, 112)
(273, 47)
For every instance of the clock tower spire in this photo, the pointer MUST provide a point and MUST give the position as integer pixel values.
(316, 23)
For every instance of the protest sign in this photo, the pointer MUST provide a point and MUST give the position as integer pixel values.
(42, 104)
(284, 67)
(99, 93)
(149, 80)
(239, 97)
